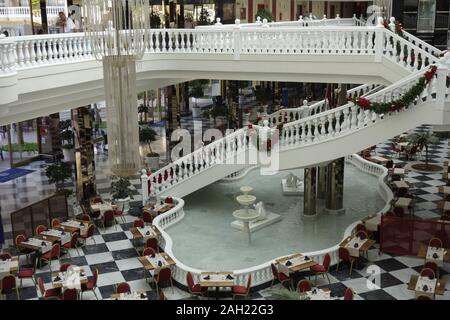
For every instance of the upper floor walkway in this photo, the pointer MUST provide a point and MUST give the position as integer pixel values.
(43, 74)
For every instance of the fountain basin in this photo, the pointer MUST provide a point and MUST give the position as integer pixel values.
(246, 199)
(245, 215)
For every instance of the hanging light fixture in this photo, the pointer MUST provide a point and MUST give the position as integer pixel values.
(118, 35)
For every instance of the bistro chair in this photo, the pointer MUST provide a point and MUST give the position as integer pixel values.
(19, 239)
(322, 269)
(164, 275)
(360, 227)
(280, 276)
(56, 223)
(401, 192)
(152, 243)
(304, 286)
(399, 212)
(55, 252)
(72, 244)
(91, 285)
(148, 252)
(64, 267)
(27, 273)
(123, 210)
(5, 256)
(242, 291)
(139, 223)
(40, 228)
(162, 296)
(349, 294)
(97, 199)
(123, 287)
(423, 297)
(89, 234)
(70, 294)
(344, 256)
(49, 293)
(108, 216)
(427, 272)
(86, 218)
(147, 217)
(435, 243)
(194, 289)
(433, 266)
(8, 286)
(362, 234)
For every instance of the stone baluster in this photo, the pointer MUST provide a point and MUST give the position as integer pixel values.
(38, 44)
(337, 129)
(26, 49)
(354, 119)
(330, 125)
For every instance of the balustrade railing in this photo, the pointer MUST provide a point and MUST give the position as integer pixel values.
(19, 12)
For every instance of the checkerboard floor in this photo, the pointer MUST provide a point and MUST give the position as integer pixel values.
(382, 277)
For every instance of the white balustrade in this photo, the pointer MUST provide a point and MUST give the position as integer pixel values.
(24, 12)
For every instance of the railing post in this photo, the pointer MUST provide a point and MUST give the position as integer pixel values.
(144, 181)
(392, 24)
(7, 56)
(379, 40)
(441, 85)
(237, 39)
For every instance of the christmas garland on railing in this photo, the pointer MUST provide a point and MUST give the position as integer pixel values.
(398, 104)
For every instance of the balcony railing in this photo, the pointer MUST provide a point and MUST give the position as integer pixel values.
(24, 12)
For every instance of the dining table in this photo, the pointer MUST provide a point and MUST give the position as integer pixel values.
(71, 279)
(357, 247)
(9, 266)
(317, 294)
(378, 160)
(437, 255)
(75, 225)
(294, 263)
(133, 295)
(426, 286)
(157, 261)
(54, 236)
(147, 231)
(401, 184)
(217, 280)
(37, 245)
(403, 202)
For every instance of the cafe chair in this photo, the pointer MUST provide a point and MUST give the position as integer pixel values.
(19, 239)
(56, 223)
(91, 285)
(27, 273)
(147, 217)
(360, 227)
(435, 243)
(162, 296)
(122, 210)
(70, 294)
(152, 243)
(242, 291)
(123, 287)
(5, 256)
(349, 294)
(8, 286)
(427, 272)
(194, 289)
(148, 252)
(54, 253)
(423, 297)
(49, 293)
(362, 234)
(86, 218)
(72, 244)
(97, 199)
(89, 234)
(64, 267)
(280, 276)
(433, 266)
(322, 269)
(344, 256)
(139, 223)
(304, 286)
(108, 216)
(399, 212)
(40, 228)
(164, 275)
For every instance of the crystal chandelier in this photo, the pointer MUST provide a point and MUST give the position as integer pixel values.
(118, 35)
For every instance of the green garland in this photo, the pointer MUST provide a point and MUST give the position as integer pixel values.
(400, 103)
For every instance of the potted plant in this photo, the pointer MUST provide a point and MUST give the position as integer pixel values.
(264, 14)
(66, 134)
(146, 136)
(196, 92)
(424, 140)
(188, 20)
(203, 19)
(58, 174)
(121, 189)
(143, 113)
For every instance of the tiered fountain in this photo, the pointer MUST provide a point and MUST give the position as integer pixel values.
(246, 214)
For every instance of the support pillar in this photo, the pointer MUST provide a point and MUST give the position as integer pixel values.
(310, 193)
(334, 201)
(322, 176)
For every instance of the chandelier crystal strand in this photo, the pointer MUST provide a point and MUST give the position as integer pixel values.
(118, 33)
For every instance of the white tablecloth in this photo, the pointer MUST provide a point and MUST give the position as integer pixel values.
(6, 266)
(102, 207)
(440, 252)
(70, 279)
(354, 252)
(425, 281)
(319, 295)
(147, 232)
(65, 237)
(131, 296)
(156, 259)
(43, 244)
(217, 278)
(373, 223)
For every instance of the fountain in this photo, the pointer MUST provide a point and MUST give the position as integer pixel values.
(250, 220)
(246, 215)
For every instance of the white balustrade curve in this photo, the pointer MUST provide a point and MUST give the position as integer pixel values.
(262, 274)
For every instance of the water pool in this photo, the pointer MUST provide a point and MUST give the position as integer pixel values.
(205, 240)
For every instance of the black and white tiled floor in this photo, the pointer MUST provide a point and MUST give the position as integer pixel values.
(116, 259)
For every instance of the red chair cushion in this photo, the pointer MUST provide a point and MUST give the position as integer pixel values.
(239, 289)
(318, 268)
(52, 293)
(283, 277)
(87, 286)
(26, 273)
(47, 255)
(196, 288)
(118, 212)
(67, 245)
